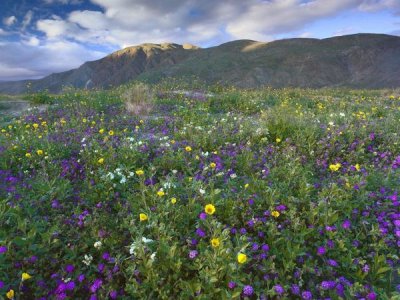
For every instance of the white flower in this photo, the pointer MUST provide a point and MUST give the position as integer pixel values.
(153, 256)
(146, 240)
(202, 191)
(123, 180)
(98, 244)
(88, 259)
(342, 114)
(132, 249)
(233, 176)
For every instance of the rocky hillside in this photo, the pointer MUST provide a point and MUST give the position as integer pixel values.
(356, 61)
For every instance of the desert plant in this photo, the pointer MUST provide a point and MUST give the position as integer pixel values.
(138, 99)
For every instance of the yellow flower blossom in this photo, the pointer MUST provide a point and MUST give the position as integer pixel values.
(25, 276)
(160, 193)
(357, 166)
(28, 155)
(35, 125)
(188, 148)
(139, 172)
(278, 140)
(215, 242)
(100, 161)
(213, 165)
(111, 133)
(246, 185)
(241, 258)
(334, 167)
(143, 217)
(101, 131)
(39, 152)
(275, 214)
(173, 200)
(209, 209)
(10, 294)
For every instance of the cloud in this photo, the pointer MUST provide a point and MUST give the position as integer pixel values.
(280, 16)
(27, 19)
(9, 20)
(376, 5)
(65, 2)
(35, 59)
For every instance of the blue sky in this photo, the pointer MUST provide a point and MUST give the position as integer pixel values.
(40, 37)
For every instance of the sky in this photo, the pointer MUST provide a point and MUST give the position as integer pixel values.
(40, 37)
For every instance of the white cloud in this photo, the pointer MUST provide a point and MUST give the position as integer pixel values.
(27, 19)
(375, 5)
(35, 59)
(281, 16)
(9, 20)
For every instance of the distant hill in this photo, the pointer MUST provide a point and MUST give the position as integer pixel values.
(355, 61)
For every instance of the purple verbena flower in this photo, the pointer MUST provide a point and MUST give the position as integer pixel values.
(248, 290)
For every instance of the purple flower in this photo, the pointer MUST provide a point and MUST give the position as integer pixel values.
(81, 277)
(279, 289)
(193, 254)
(306, 295)
(3, 249)
(96, 285)
(332, 263)
(113, 294)
(69, 268)
(1, 284)
(327, 285)
(231, 285)
(365, 268)
(106, 256)
(200, 232)
(346, 224)
(295, 289)
(203, 216)
(371, 296)
(248, 290)
(321, 250)
(243, 231)
(100, 267)
(70, 285)
(265, 248)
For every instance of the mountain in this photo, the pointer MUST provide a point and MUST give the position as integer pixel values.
(355, 61)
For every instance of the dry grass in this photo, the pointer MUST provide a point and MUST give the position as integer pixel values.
(139, 99)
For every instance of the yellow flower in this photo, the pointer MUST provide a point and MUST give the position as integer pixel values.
(278, 140)
(28, 155)
(139, 172)
(143, 217)
(173, 200)
(209, 209)
(241, 258)
(215, 242)
(111, 132)
(100, 161)
(141, 121)
(246, 185)
(172, 142)
(357, 166)
(10, 294)
(25, 276)
(334, 167)
(101, 131)
(160, 193)
(27, 126)
(213, 165)
(188, 148)
(39, 152)
(36, 125)
(84, 120)
(275, 214)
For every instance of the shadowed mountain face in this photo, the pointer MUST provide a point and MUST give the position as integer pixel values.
(355, 61)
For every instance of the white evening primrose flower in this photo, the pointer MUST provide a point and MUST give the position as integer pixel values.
(87, 259)
(98, 244)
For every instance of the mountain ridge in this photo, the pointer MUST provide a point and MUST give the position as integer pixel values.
(355, 61)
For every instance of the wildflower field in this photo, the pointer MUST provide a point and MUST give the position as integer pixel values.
(233, 194)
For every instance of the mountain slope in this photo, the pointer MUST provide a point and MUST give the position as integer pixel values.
(357, 61)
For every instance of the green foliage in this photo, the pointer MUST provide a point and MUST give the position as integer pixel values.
(97, 201)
